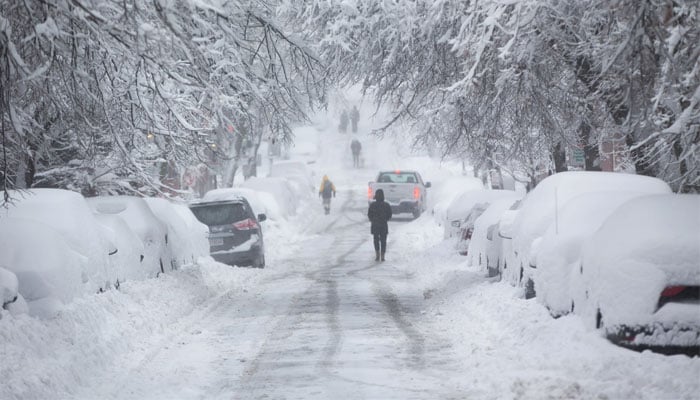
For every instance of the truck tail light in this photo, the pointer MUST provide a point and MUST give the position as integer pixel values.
(416, 192)
(369, 192)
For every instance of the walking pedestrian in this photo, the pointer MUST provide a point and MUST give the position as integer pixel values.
(379, 213)
(343, 127)
(354, 118)
(356, 147)
(326, 191)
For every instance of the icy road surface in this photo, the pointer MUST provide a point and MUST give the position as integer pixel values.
(330, 328)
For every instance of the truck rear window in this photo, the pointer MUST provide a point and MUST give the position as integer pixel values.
(401, 177)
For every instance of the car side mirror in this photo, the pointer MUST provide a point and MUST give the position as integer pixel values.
(489, 231)
(505, 226)
(262, 217)
(427, 184)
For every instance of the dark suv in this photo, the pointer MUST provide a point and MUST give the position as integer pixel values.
(235, 235)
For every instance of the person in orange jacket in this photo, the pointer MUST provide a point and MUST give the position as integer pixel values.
(326, 191)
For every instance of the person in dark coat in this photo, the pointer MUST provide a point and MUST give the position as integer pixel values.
(379, 213)
(356, 147)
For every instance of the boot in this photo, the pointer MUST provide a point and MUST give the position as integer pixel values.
(376, 257)
(383, 256)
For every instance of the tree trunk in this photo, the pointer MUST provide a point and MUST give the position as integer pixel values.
(559, 158)
(590, 150)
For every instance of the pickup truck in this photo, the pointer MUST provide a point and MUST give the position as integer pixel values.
(403, 190)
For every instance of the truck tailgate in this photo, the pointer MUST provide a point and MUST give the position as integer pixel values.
(395, 192)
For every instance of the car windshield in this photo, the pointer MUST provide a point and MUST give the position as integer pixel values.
(400, 177)
(220, 214)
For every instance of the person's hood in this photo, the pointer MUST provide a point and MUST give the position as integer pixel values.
(325, 178)
(379, 195)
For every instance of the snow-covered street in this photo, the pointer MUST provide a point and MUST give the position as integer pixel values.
(324, 320)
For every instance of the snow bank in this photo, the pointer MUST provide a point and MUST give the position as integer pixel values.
(647, 244)
(68, 214)
(56, 358)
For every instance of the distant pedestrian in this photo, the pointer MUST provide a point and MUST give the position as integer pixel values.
(354, 118)
(356, 147)
(343, 127)
(379, 213)
(326, 191)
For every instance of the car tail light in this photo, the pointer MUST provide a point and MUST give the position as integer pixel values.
(679, 293)
(672, 291)
(246, 224)
(369, 192)
(416, 193)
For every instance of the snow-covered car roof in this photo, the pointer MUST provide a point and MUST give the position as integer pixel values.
(465, 202)
(545, 201)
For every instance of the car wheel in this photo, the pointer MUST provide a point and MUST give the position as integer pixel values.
(260, 263)
(416, 213)
(530, 289)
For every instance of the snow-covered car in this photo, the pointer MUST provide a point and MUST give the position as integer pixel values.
(68, 214)
(485, 245)
(295, 171)
(558, 262)
(505, 242)
(444, 192)
(141, 220)
(541, 207)
(280, 188)
(641, 272)
(261, 202)
(235, 234)
(187, 239)
(404, 191)
(468, 206)
(10, 298)
(49, 271)
(129, 250)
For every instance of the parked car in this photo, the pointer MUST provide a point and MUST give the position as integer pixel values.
(559, 258)
(187, 241)
(641, 273)
(506, 260)
(49, 271)
(68, 214)
(542, 206)
(405, 191)
(235, 234)
(295, 171)
(485, 245)
(467, 207)
(141, 220)
(444, 191)
(129, 252)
